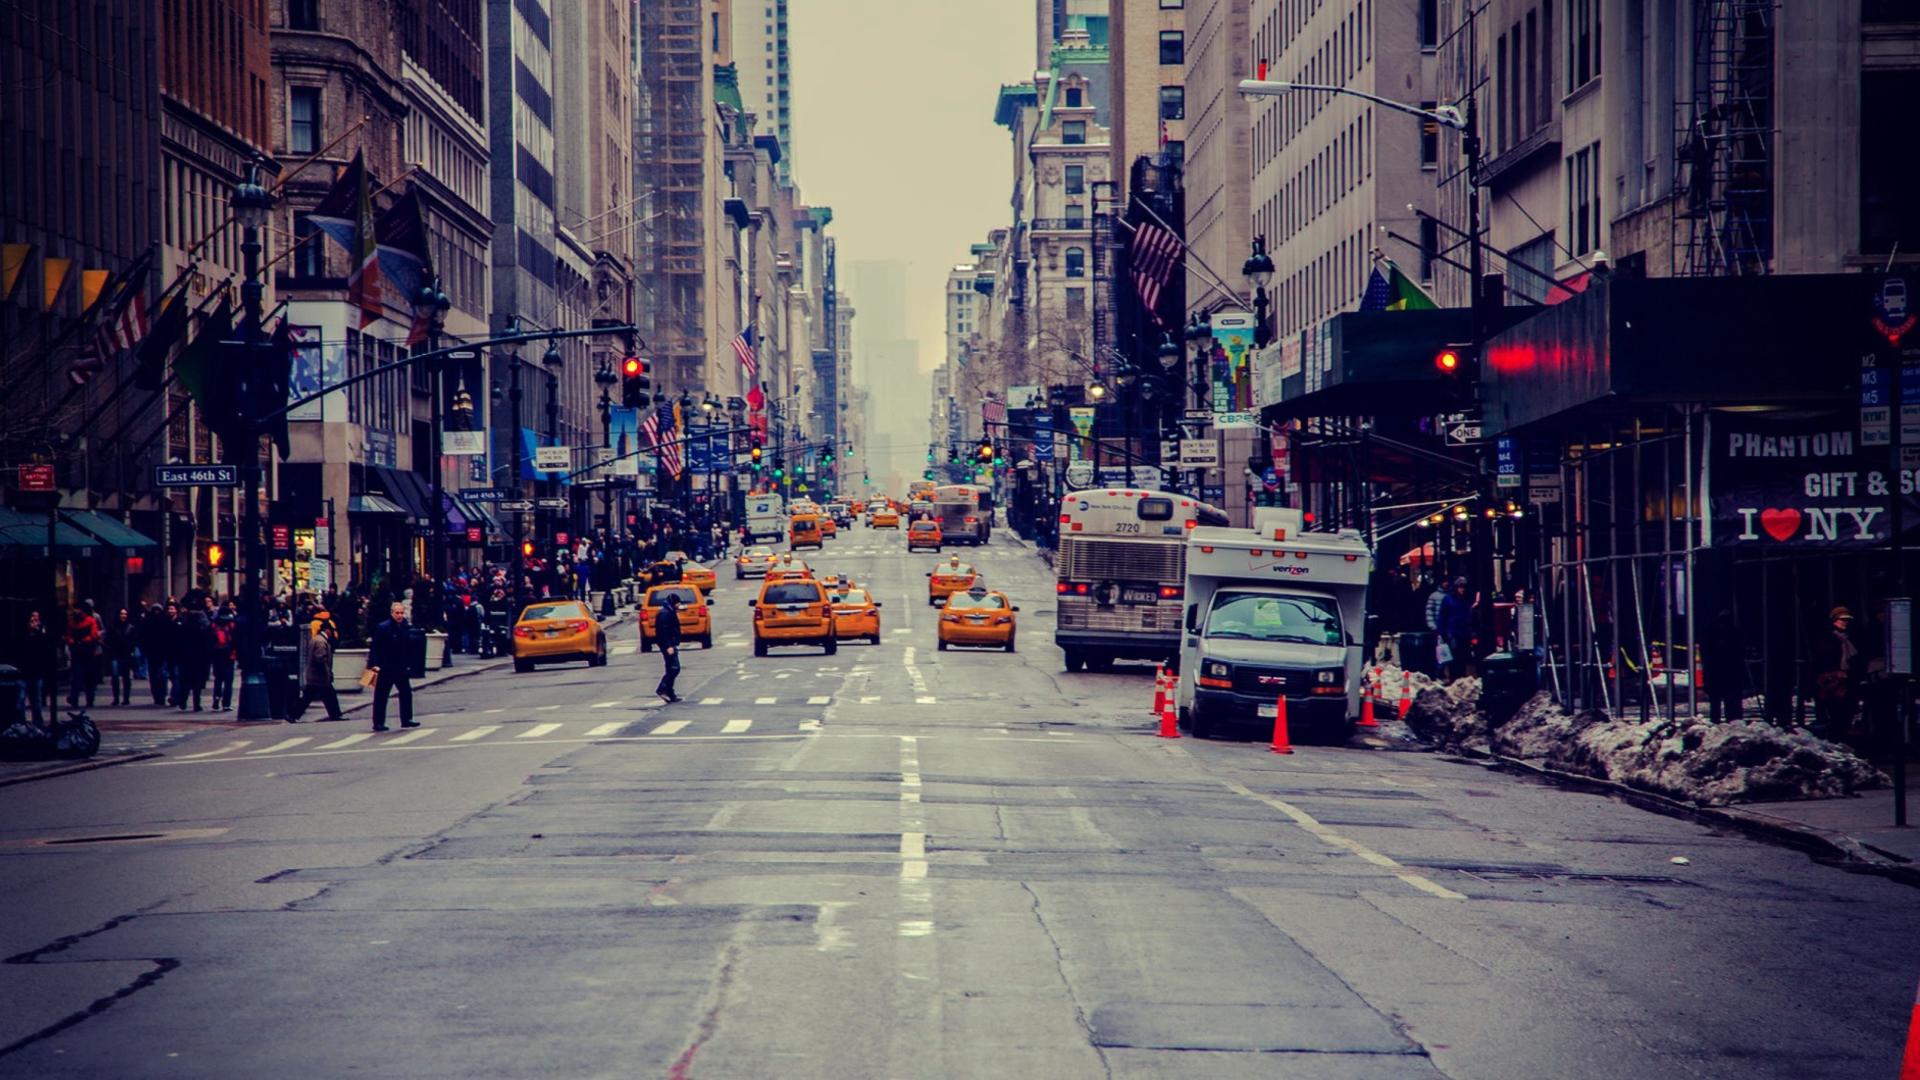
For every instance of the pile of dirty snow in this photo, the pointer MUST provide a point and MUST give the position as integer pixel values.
(1693, 760)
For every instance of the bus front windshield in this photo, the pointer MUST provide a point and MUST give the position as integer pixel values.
(1306, 620)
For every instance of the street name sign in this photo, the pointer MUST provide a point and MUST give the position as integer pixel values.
(486, 494)
(196, 476)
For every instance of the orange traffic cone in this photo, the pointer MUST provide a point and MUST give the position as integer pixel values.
(1366, 708)
(1280, 743)
(1169, 718)
(1160, 690)
(1406, 693)
(1910, 1063)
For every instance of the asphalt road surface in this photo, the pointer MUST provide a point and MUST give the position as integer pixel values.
(901, 864)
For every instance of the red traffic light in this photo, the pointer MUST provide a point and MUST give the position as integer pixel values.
(1448, 361)
(216, 555)
(634, 367)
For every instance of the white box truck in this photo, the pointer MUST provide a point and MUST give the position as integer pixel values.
(766, 519)
(1271, 611)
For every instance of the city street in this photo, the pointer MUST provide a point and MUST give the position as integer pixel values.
(899, 863)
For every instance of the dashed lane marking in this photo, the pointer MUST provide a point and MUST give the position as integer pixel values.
(924, 701)
(712, 700)
(1326, 835)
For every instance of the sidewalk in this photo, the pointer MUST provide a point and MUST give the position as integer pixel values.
(141, 731)
(1866, 819)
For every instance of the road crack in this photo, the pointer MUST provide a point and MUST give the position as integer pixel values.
(161, 966)
(1060, 966)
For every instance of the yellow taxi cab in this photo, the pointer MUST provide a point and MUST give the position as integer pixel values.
(557, 630)
(886, 518)
(803, 530)
(828, 526)
(856, 614)
(923, 534)
(794, 612)
(789, 569)
(836, 583)
(753, 562)
(696, 620)
(693, 573)
(948, 578)
(858, 506)
(976, 617)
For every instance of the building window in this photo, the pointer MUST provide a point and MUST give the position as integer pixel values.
(303, 14)
(1076, 97)
(1076, 303)
(1583, 42)
(1076, 179)
(1429, 247)
(303, 119)
(1076, 216)
(1530, 268)
(1076, 262)
(1073, 132)
(1173, 103)
(1173, 47)
(1889, 216)
(1172, 5)
(1583, 200)
(1429, 137)
(1429, 23)
(310, 250)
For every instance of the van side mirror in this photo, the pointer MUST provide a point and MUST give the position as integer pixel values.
(1016, 607)
(1193, 617)
(750, 603)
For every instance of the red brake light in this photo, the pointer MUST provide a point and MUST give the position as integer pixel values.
(1172, 592)
(1064, 518)
(1191, 523)
(1060, 587)
(1076, 527)
(1081, 588)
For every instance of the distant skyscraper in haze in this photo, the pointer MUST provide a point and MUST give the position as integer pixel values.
(887, 363)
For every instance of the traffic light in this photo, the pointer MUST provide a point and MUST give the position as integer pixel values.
(985, 453)
(849, 451)
(526, 549)
(636, 382)
(1457, 362)
(754, 456)
(779, 469)
(216, 556)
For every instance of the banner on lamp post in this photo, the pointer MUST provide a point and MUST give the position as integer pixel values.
(624, 432)
(1230, 367)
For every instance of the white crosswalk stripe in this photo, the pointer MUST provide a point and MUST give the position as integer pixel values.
(538, 731)
(285, 744)
(227, 749)
(339, 744)
(818, 700)
(712, 700)
(605, 729)
(735, 727)
(624, 650)
(923, 701)
(671, 727)
(603, 705)
(476, 733)
(765, 701)
(412, 736)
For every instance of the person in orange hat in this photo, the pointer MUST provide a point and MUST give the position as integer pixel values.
(319, 673)
(1835, 664)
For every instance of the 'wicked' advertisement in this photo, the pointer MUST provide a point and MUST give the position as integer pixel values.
(1804, 483)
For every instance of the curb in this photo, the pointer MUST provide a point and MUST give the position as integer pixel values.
(1824, 846)
(79, 767)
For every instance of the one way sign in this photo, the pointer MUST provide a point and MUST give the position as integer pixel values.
(1462, 434)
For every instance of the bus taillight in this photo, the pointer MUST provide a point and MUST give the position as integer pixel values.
(1060, 587)
(1192, 523)
(1064, 518)
(1172, 592)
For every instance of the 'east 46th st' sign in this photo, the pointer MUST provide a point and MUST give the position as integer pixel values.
(1801, 483)
(196, 476)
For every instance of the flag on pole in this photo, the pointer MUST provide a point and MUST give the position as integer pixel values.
(122, 322)
(1153, 255)
(743, 348)
(406, 260)
(346, 214)
(1392, 291)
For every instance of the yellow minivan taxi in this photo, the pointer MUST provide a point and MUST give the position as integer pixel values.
(696, 619)
(793, 613)
(976, 617)
(803, 530)
(558, 630)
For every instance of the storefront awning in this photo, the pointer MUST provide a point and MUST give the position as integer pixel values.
(23, 535)
(409, 490)
(122, 538)
(374, 504)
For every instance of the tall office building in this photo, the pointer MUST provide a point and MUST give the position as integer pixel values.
(761, 54)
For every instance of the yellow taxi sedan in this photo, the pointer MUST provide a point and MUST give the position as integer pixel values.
(884, 519)
(829, 528)
(558, 630)
(948, 578)
(753, 562)
(692, 573)
(696, 615)
(977, 617)
(856, 614)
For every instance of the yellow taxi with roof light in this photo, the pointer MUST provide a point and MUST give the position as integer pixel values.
(696, 615)
(884, 518)
(557, 630)
(789, 569)
(753, 562)
(693, 573)
(856, 614)
(948, 578)
(793, 612)
(977, 617)
(924, 533)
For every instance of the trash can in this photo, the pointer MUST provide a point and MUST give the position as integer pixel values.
(13, 696)
(1507, 680)
(280, 652)
(416, 653)
(1416, 651)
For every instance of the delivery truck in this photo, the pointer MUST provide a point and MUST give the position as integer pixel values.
(766, 519)
(1273, 611)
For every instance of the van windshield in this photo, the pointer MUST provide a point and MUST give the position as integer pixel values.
(1307, 620)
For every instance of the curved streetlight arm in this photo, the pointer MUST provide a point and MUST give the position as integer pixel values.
(1445, 115)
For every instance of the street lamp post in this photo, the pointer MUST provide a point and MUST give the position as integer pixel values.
(514, 396)
(252, 206)
(436, 303)
(1259, 269)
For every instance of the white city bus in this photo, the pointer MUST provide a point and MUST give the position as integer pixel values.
(965, 513)
(1122, 567)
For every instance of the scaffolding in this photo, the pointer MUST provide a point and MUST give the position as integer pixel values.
(1723, 144)
(671, 155)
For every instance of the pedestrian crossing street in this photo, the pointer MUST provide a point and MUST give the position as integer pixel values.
(275, 745)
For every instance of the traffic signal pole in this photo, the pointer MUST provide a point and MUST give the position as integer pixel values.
(253, 701)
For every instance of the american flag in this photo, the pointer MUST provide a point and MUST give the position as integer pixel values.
(123, 327)
(663, 438)
(743, 348)
(1154, 256)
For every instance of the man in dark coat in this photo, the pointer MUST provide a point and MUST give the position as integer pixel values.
(39, 666)
(319, 668)
(193, 652)
(387, 657)
(120, 643)
(156, 644)
(666, 634)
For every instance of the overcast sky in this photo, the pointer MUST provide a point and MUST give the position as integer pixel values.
(893, 128)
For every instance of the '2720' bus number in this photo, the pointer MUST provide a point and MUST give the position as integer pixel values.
(1126, 526)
